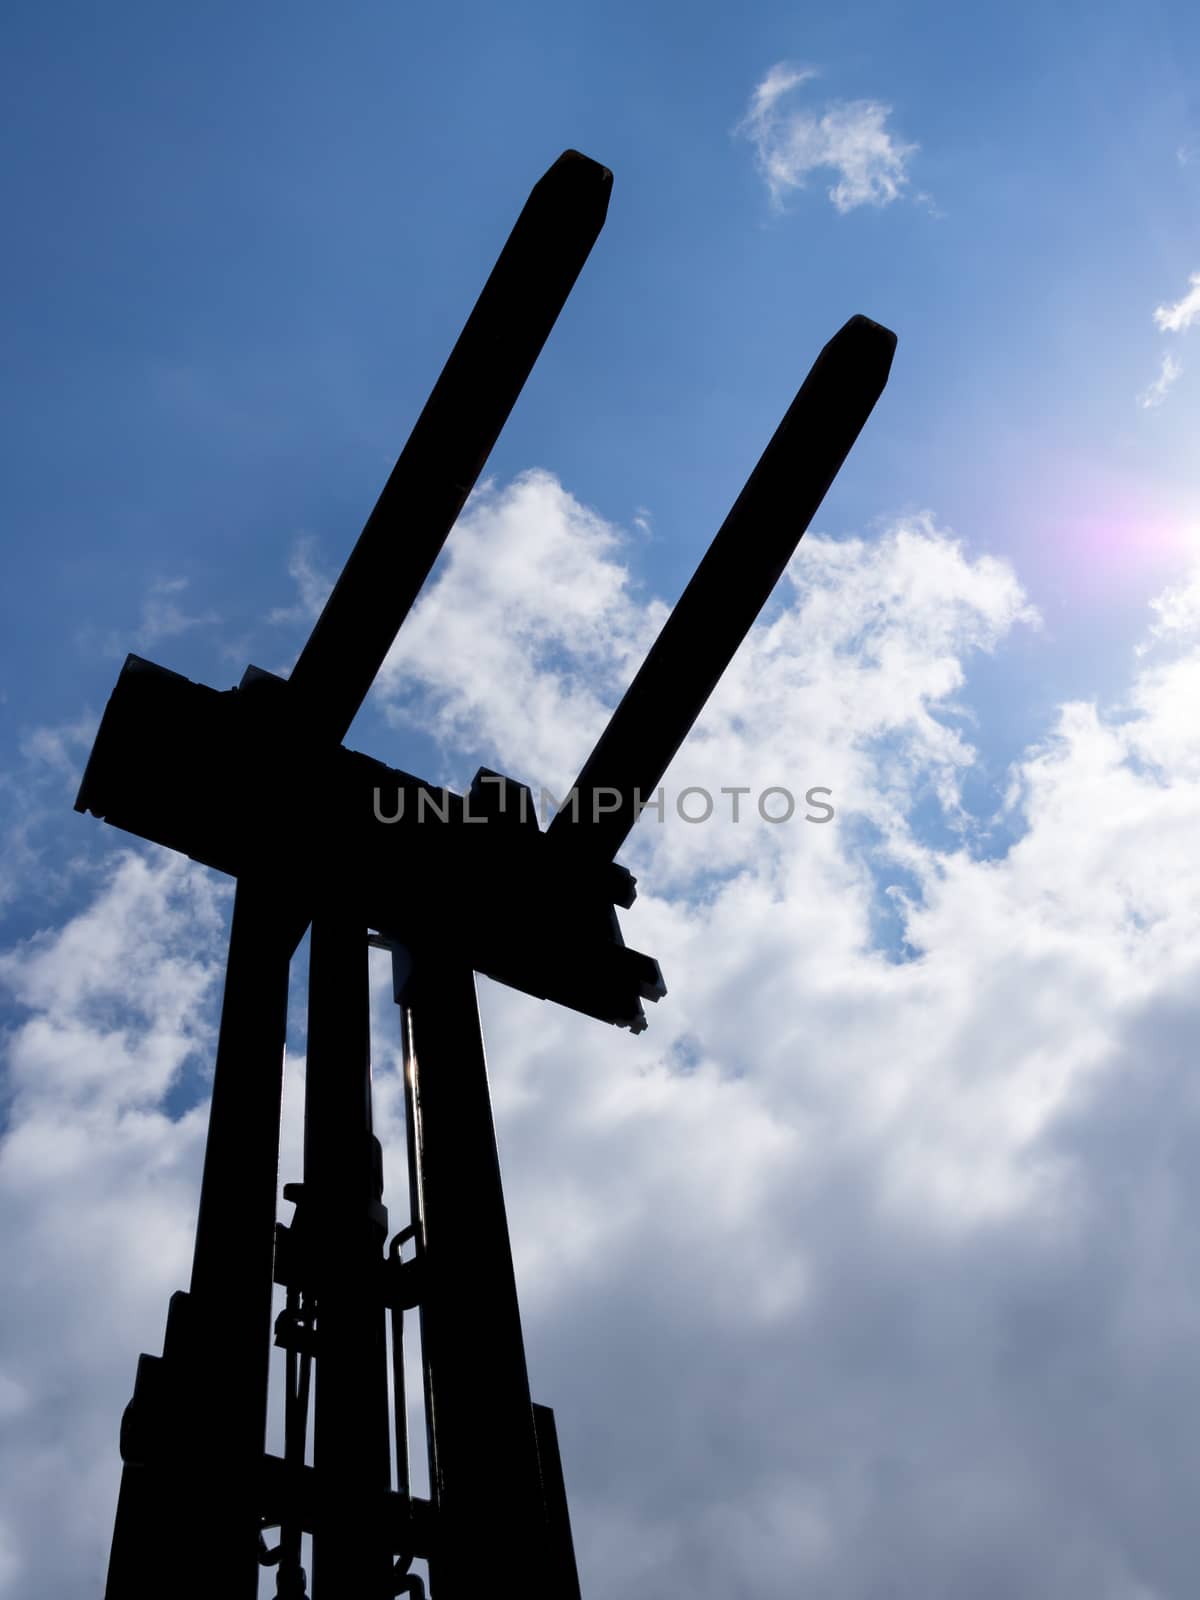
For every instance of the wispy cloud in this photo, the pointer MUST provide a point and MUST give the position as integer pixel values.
(1179, 317)
(1176, 318)
(1156, 393)
(312, 586)
(846, 137)
(162, 615)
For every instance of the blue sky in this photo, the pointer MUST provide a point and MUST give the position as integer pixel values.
(922, 1073)
(246, 244)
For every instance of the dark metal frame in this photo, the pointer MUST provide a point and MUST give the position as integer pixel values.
(207, 773)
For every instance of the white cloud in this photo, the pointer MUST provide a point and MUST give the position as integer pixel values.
(848, 1260)
(35, 796)
(1176, 318)
(1179, 317)
(779, 81)
(848, 138)
(1156, 393)
(60, 750)
(1178, 612)
(162, 615)
(525, 638)
(520, 648)
(97, 1193)
(313, 586)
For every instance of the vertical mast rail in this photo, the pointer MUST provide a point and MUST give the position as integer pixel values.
(193, 1435)
(346, 1225)
(487, 1487)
